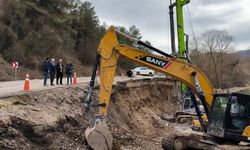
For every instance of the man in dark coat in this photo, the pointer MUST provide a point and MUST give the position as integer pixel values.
(52, 71)
(46, 70)
(59, 71)
(69, 72)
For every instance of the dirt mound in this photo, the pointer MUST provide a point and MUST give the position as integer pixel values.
(42, 120)
(54, 120)
(135, 111)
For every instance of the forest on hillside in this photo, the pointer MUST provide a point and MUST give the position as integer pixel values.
(32, 30)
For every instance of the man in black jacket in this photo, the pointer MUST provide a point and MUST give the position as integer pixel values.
(59, 71)
(69, 72)
(52, 71)
(46, 70)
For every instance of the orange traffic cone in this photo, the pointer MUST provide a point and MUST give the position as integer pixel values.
(74, 79)
(27, 83)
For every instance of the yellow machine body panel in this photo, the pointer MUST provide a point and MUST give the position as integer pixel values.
(108, 64)
(246, 132)
(110, 50)
(177, 69)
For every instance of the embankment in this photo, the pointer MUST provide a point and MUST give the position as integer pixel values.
(55, 119)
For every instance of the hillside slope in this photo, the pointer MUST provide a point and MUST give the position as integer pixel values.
(32, 30)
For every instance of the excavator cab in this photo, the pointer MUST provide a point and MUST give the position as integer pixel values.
(230, 117)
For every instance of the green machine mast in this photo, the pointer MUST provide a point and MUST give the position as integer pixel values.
(182, 44)
(180, 27)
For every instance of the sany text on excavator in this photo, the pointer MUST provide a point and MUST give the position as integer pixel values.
(228, 115)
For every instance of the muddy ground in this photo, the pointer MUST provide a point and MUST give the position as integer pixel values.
(55, 119)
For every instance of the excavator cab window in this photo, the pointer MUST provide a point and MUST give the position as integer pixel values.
(238, 113)
(188, 103)
(216, 123)
(219, 108)
(248, 110)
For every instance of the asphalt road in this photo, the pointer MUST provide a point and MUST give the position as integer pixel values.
(16, 87)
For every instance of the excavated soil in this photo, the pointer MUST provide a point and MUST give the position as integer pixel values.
(55, 119)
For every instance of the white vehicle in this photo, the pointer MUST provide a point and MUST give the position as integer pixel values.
(143, 71)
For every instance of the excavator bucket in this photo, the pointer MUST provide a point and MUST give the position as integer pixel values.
(98, 136)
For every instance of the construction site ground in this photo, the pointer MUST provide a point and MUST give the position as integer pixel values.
(55, 118)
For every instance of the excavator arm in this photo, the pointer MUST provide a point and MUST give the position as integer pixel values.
(109, 52)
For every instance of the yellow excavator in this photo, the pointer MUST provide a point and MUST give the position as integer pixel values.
(227, 114)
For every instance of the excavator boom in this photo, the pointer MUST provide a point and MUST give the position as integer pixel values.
(109, 52)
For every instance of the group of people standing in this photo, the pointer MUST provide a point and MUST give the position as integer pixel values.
(52, 69)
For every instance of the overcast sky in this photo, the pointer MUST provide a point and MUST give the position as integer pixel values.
(151, 17)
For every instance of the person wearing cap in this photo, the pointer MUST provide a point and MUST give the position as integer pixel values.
(59, 71)
(52, 71)
(46, 70)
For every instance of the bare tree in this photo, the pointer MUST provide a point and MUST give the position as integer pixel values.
(212, 52)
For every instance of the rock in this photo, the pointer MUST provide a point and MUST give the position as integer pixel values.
(66, 127)
(39, 130)
(35, 98)
(12, 131)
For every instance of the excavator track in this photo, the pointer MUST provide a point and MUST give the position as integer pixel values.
(179, 141)
(167, 142)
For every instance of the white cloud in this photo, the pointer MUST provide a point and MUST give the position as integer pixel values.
(151, 17)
